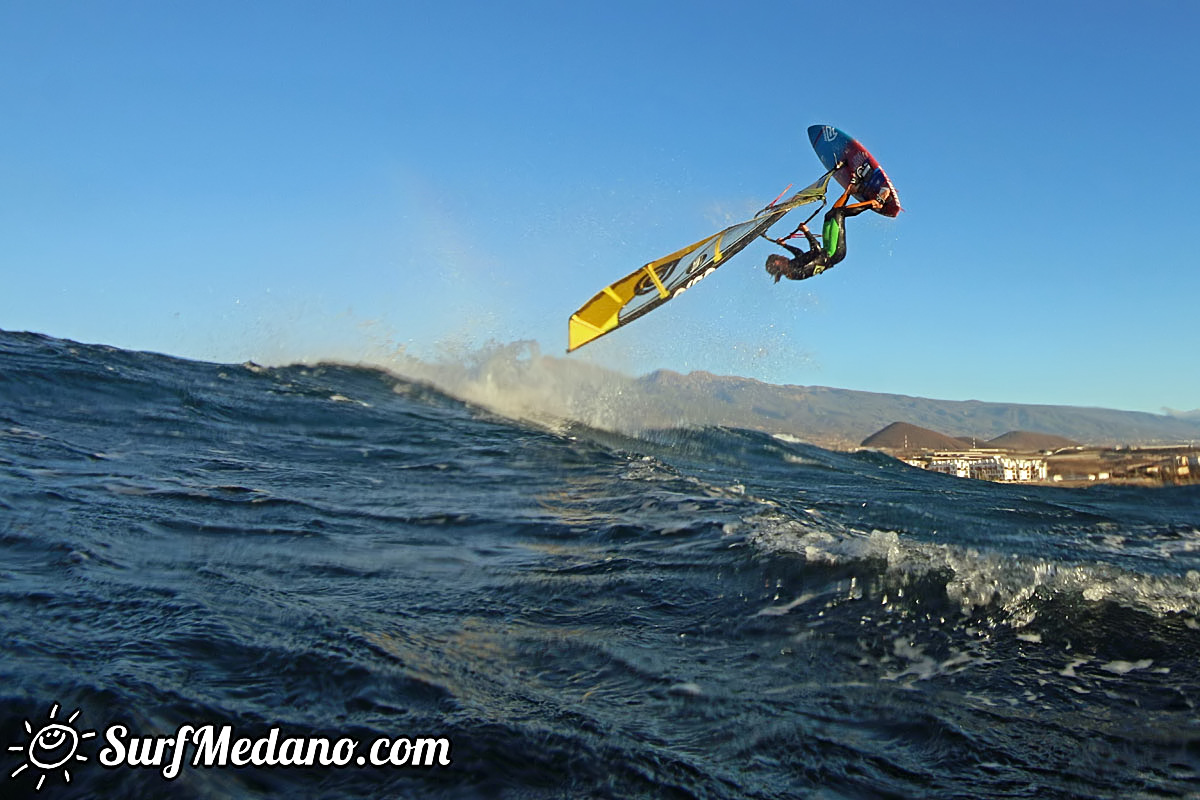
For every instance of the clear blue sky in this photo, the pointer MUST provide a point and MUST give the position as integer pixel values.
(283, 180)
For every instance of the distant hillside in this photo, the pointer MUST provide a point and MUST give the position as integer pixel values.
(844, 418)
(1030, 442)
(903, 436)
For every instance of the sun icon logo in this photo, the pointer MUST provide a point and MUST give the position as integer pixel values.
(52, 748)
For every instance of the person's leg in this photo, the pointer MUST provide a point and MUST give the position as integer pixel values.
(857, 208)
(841, 201)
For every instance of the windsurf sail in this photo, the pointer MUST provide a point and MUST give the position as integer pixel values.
(653, 284)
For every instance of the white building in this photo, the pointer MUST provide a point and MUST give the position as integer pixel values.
(1024, 469)
(989, 467)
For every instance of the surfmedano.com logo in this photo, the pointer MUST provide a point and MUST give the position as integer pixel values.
(51, 750)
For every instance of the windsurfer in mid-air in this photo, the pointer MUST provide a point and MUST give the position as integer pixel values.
(820, 256)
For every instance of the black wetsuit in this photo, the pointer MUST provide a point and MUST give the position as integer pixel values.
(818, 257)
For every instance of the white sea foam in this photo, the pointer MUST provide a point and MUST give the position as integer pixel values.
(1125, 667)
(977, 579)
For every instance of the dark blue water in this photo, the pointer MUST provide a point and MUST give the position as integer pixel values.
(338, 552)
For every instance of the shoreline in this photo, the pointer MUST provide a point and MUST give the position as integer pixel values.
(1074, 467)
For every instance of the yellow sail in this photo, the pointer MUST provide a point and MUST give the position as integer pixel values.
(653, 284)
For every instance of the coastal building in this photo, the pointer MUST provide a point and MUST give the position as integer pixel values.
(1024, 469)
(988, 466)
(1039, 458)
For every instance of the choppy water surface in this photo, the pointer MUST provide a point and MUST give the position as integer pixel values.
(336, 552)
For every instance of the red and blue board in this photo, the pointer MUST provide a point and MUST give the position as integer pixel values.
(833, 147)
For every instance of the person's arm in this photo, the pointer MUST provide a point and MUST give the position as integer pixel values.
(813, 244)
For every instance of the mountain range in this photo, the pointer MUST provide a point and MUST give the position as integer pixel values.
(906, 436)
(844, 418)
